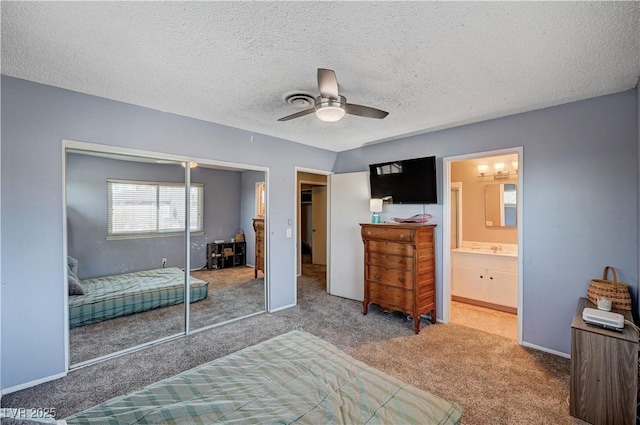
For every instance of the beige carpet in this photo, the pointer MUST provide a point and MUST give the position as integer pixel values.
(493, 379)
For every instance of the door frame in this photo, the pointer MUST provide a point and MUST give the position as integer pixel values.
(458, 189)
(446, 229)
(297, 271)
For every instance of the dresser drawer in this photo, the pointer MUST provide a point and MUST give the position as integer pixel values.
(390, 248)
(394, 277)
(387, 233)
(385, 260)
(391, 298)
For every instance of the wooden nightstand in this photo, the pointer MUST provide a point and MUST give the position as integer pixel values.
(604, 371)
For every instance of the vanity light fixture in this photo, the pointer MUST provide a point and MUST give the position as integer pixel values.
(499, 168)
(191, 164)
(500, 173)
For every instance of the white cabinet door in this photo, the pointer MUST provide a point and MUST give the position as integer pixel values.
(469, 282)
(502, 288)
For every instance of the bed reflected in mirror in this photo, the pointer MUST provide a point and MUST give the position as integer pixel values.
(126, 250)
(125, 240)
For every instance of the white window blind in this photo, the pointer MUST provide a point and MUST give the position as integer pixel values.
(151, 208)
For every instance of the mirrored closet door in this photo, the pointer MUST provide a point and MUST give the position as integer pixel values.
(225, 256)
(125, 245)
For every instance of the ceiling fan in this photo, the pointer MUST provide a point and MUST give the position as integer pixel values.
(330, 106)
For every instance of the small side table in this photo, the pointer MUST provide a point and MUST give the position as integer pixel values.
(604, 371)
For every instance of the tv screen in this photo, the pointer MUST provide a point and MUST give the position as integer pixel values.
(409, 181)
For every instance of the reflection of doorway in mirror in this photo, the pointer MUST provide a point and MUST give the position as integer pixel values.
(509, 197)
(260, 200)
(500, 204)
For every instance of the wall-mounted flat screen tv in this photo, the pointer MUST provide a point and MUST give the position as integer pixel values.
(409, 181)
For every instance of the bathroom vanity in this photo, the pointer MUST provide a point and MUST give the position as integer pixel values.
(485, 277)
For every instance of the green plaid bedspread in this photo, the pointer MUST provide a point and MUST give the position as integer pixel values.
(292, 378)
(120, 295)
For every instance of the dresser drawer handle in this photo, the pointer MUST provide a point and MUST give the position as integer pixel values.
(401, 235)
(377, 276)
(401, 279)
(402, 248)
(368, 232)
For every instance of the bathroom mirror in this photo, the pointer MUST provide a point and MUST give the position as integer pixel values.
(500, 204)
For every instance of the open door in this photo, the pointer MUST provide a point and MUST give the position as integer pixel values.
(349, 206)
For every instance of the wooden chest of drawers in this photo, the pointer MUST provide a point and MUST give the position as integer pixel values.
(399, 269)
(258, 227)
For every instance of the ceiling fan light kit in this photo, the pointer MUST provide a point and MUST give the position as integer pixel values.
(330, 110)
(330, 106)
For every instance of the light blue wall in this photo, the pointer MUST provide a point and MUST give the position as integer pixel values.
(87, 215)
(580, 207)
(35, 118)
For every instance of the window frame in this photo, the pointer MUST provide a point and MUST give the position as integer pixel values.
(157, 233)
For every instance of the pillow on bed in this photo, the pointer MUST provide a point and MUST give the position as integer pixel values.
(75, 287)
(72, 263)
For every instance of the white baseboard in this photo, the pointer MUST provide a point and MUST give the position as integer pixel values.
(282, 308)
(546, 350)
(33, 383)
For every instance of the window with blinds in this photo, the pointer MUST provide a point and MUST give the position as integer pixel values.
(142, 209)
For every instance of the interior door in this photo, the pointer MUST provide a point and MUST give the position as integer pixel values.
(319, 225)
(349, 206)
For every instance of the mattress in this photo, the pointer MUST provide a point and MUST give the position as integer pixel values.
(120, 295)
(292, 378)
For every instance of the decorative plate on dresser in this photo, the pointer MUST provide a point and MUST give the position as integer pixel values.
(399, 269)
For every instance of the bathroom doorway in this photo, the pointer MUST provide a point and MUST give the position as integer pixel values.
(482, 279)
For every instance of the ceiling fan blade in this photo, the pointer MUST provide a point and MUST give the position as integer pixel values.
(298, 114)
(327, 83)
(365, 111)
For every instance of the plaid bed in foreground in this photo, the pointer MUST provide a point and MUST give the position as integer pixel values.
(292, 378)
(120, 295)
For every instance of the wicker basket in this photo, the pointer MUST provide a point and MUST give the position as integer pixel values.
(617, 292)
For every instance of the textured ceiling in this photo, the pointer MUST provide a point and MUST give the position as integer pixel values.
(432, 65)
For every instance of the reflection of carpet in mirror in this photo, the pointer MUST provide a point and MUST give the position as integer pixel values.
(233, 293)
(225, 278)
(485, 319)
